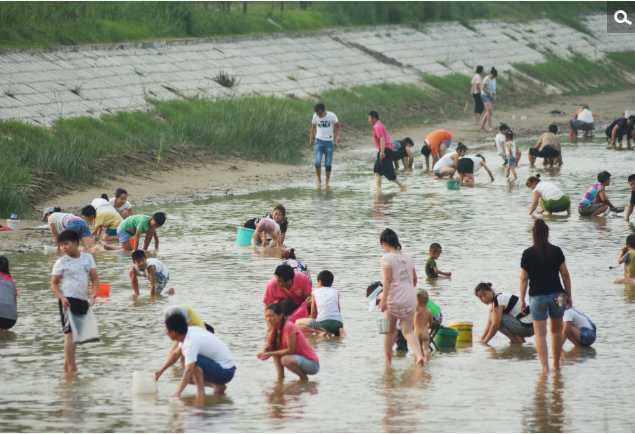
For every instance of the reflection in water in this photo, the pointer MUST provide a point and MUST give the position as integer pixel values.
(285, 400)
(547, 411)
(629, 293)
(324, 208)
(513, 351)
(403, 413)
(579, 354)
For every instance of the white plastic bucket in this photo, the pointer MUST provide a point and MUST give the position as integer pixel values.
(143, 383)
(628, 113)
(13, 224)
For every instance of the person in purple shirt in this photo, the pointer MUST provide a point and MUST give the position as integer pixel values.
(383, 164)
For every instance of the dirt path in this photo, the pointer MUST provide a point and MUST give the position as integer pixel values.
(235, 176)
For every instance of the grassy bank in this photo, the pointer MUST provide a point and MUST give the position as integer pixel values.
(46, 24)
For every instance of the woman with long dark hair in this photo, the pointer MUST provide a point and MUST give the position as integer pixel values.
(541, 268)
(488, 94)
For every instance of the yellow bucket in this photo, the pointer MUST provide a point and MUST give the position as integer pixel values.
(464, 329)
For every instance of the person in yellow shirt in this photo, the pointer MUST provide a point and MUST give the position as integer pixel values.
(108, 219)
(627, 257)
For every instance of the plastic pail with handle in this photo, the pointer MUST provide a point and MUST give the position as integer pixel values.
(383, 326)
(446, 337)
(143, 383)
(465, 331)
(454, 184)
(103, 290)
(244, 236)
(13, 224)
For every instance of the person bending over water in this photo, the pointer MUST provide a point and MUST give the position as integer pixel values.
(59, 222)
(627, 257)
(578, 328)
(399, 301)
(551, 198)
(541, 268)
(287, 283)
(208, 361)
(383, 163)
(631, 203)
(619, 128)
(299, 266)
(8, 297)
(267, 227)
(326, 315)
(288, 346)
(279, 215)
(436, 144)
(547, 147)
(120, 203)
(402, 150)
(468, 166)
(153, 270)
(595, 201)
(504, 315)
(446, 166)
(107, 219)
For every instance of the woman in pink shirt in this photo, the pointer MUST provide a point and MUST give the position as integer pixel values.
(477, 83)
(288, 346)
(383, 164)
(399, 300)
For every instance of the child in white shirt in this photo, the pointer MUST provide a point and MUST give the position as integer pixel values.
(513, 154)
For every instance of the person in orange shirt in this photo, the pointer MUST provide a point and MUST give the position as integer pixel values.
(436, 144)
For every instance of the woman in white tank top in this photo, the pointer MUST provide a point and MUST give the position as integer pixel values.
(551, 198)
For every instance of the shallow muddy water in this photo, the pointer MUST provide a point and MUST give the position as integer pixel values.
(483, 231)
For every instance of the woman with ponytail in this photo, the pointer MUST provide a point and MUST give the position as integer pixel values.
(488, 93)
(288, 346)
(504, 315)
(541, 268)
(551, 198)
(399, 300)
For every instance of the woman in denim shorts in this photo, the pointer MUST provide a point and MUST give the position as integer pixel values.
(541, 267)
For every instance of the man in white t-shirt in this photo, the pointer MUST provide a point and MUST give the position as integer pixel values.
(326, 317)
(208, 361)
(323, 122)
(578, 328)
(499, 141)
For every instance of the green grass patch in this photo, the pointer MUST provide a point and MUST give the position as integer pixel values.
(624, 59)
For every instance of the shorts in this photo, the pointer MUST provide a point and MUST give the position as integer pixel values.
(328, 325)
(6, 324)
(556, 205)
(465, 165)
(486, 97)
(78, 307)
(123, 235)
(309, 367)
(265, 226)
(213, 372)
(479, 107)
(79, 226)
(515, 326)
(160, 281)
(587, 336)
(546, 152)
(511, 161)
(111, 232)
(385, 167)
(401, 153)
(551, 306)
(437, 172)
(589, 209)
(579, 125)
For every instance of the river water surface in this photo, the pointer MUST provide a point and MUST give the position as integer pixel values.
(483, 231)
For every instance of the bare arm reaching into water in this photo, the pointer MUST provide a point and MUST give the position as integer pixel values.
(493, 323)
(489, 172)
(534, 204)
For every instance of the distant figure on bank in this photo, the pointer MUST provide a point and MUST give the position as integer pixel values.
(431, 265)
(153, 270)
(627, 257)
(446, 166)
(504, 316)
(551, 198)
(578, 328)
(548, 147)
(288, 346)
(279, 215)
(631, 203)
(513, 154)
(323, 121)
(423, 322)
(499, 142)
(138, 224)
(8, 297)
(383, 164)
(595, 201)
(436, 144)
(402, 150)
(208, 361)
(298, 266)
(326, 315)
(287, 283)
(477, 84)
(618, 129)
(488, 93)
(468, 166)
(582, 120)
(120, 203)
(74, 270)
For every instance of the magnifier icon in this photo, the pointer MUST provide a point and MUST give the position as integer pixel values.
(622, 20)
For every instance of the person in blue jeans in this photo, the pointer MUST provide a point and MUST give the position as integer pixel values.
(541, 268)
(322, 131)
(578, 328)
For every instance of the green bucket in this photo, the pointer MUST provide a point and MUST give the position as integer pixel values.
(454, 184)
(446, 337)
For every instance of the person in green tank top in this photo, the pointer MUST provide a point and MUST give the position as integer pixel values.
(138, 224)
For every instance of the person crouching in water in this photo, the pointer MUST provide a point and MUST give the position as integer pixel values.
(153, 270)
(326, 315)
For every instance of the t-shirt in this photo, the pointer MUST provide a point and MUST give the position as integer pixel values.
(109, 218)
(548, 191)
(102, 205)
(302, 347)
(586, 116)
(490, 85)
(379, 130)
(511, 145)
(478, 163)
(549, 139)
(592, 195)
(500, 143)
(184, 310)
(477, 81)
(75, 274)
(199, 341)
(577, 318)
(325, 126)
(511, 306)
(633, 197)
(327, 302)
(544, 279)
(623, 128)
(159, 268)
(139, 221)
(629, 264)
(61, 219)
(126, 205)
(300, 288)
(435, 138)
(8, 294)
(446, 161)
(430, 265)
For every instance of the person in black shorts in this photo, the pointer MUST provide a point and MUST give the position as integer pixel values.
(383, 163)
(404, 153)
(548, 147)
(619, 128)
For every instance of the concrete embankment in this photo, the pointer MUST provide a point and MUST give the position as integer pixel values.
(38, 86)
